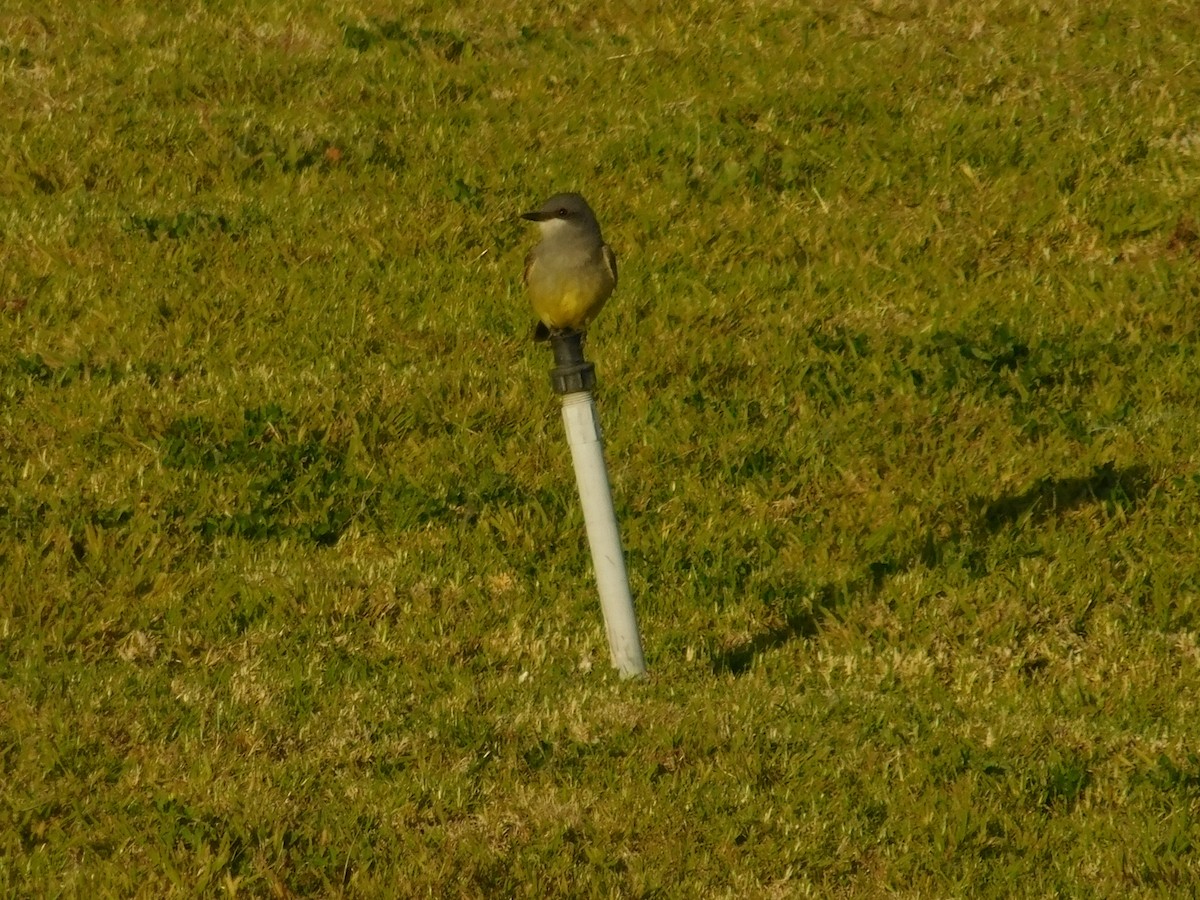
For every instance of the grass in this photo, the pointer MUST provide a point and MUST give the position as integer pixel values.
(899, 389)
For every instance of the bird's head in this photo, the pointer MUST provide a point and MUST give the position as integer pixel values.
(563, 211)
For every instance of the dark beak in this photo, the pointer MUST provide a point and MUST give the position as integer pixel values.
(536, 216)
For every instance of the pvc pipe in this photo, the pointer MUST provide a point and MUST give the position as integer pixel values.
(587, 452)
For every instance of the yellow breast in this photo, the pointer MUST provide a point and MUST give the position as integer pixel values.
(569, 296)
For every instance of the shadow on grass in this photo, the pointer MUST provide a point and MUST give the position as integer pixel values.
(804, 624)
(1049, 497)
(1107, 485)
(969, 538)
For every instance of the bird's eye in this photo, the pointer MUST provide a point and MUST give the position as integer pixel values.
(562, 212)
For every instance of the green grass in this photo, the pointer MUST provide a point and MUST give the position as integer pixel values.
(900, 396)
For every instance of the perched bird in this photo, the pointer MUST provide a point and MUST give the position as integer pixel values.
(571, 271)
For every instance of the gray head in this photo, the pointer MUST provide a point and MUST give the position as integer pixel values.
(564, 211)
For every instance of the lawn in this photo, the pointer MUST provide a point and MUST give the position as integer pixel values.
(899, 388)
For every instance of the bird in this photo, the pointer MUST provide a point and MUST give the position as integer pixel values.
(571, 272)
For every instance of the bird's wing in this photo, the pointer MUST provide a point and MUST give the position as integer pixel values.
(610, 259)
(528, 266)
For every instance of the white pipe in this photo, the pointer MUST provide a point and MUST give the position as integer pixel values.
(587, 452)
